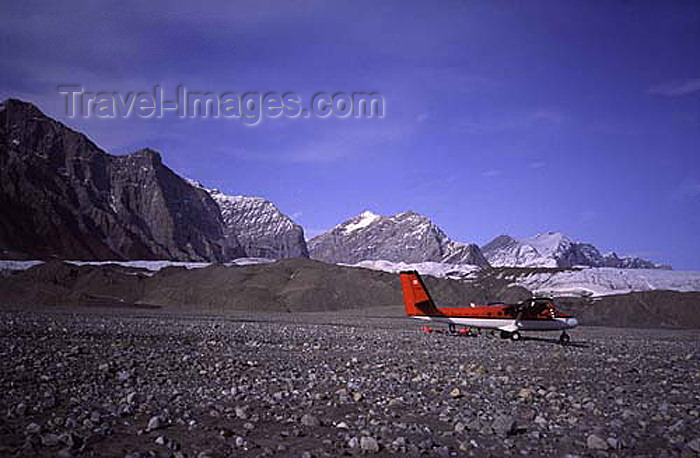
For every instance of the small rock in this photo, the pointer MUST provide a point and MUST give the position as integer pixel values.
(49, 440)
(309, 420)
(72, 440)
(525, 394)
(456, 393)
(154, 423)
(32, 428)
(160, 440)
(369, 444)
(596, 442)
(21, 409)
(354, 442)
(504, 425)
(694, 445)
(540, 421)
(124, 376)
(614, 443)
(64, 453)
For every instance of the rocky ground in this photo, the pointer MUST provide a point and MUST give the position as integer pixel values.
(329, 385)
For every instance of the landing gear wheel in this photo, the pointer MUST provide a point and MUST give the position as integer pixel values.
(453, 328)
(564, 338)
(515, 336)
(505, 335)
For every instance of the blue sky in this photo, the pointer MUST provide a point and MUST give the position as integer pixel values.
(501, 117)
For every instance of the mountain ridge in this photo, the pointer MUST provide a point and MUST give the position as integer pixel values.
(403, 237)
(63, 196)
(261, 228)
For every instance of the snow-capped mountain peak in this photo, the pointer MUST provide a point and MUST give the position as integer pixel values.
(262, 229)
(548, 244)
(403, 237)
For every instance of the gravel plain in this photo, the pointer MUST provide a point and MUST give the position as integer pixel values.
(313, 385)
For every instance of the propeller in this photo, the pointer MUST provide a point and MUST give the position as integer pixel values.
(535, 304)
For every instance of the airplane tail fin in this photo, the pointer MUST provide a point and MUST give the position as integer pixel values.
(416, 298)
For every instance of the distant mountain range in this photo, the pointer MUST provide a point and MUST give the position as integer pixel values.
(413, 238)
(554, 249)
(63, 197)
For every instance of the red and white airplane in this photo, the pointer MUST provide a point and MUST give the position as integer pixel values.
(537, 314)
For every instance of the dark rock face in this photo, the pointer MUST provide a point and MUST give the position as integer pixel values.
(629, 262)
(500, 242)
(62, 196)
(262, 229)
(405, 237)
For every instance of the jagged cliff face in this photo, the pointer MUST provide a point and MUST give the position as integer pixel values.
(554, 249)
(62, 196)
(263, 230)
(405, 237)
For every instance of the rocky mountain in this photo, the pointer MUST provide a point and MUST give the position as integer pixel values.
(405, 237)
(62, 196)
(261, 228)
(554, 249)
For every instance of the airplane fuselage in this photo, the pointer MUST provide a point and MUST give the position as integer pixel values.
(535, 314)
(509, 324)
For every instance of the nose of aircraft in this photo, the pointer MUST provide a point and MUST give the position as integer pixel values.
(571, 322)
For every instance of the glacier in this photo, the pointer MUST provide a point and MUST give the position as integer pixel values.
(580, 281)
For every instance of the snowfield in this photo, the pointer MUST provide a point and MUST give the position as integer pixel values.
(594, 281)
(148, 265)
(435, 269)
(602, 281)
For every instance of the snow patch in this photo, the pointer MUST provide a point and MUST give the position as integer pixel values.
(435, 269)
(18, 265)
(363, 220)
